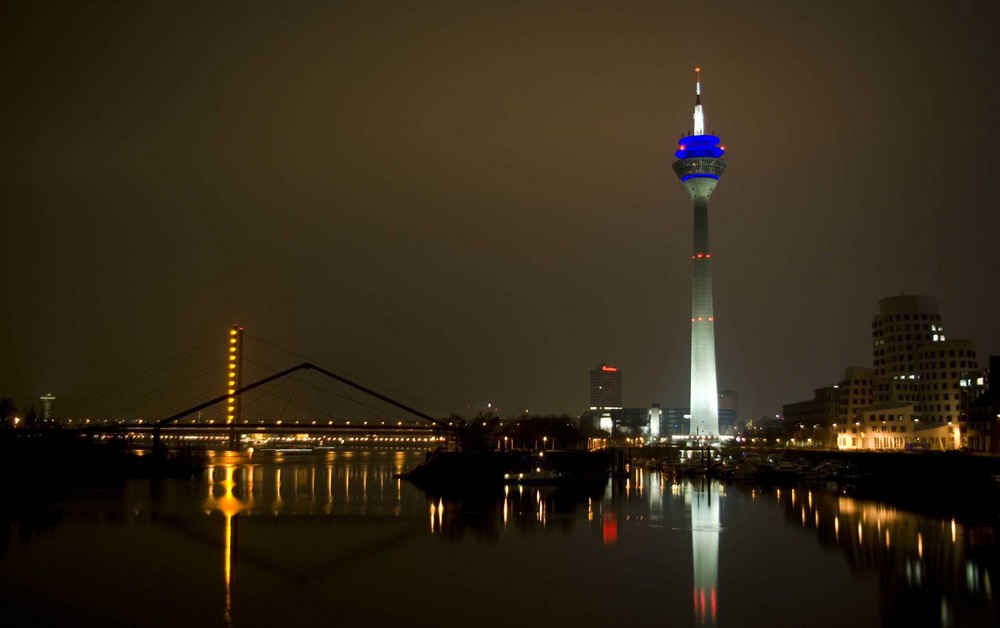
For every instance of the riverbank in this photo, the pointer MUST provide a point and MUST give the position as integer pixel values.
(945, 484)
(68, 461)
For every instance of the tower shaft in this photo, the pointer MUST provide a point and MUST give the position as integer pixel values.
(704, 387)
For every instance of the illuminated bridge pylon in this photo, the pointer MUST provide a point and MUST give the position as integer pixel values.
(234, 380)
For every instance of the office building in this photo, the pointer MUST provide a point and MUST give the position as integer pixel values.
(605, 394)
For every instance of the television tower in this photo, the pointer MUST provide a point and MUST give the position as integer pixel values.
(699, 165)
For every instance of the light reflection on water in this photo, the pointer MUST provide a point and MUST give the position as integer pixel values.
(294, 539)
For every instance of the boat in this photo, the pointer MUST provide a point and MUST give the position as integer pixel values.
(285, 451)
(549, 477)
(480, 469)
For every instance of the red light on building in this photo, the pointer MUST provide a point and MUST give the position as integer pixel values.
(609, 369)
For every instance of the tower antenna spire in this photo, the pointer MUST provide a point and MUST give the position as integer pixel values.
(699, 116)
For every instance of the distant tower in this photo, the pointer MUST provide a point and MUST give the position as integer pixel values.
(48, 408)
(699, 165)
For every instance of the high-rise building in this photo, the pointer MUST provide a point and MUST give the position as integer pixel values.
(727, 412)
(605, 393)
(917, 365)
(902, 325)
(944, 368)
(48, 408)
(605, 387)
(699, 165)
(917, 394)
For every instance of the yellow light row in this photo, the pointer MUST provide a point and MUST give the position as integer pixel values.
(233, 376)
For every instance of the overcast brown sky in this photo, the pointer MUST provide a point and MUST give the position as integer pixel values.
(474, 201)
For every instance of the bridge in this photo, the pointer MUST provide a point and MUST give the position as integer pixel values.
(188, 429)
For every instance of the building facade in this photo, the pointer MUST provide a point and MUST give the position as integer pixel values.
(918, 392)
(902, 325)
(812, 420)
(984, 411)
(727, 412)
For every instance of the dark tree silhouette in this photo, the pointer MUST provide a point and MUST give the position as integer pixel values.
(7, 412)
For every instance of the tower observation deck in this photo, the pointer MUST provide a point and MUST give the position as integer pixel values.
(699, 165)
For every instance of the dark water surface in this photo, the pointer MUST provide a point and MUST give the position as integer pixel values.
(334, 539)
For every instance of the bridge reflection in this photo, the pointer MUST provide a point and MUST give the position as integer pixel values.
(344, 483)
(925, 567)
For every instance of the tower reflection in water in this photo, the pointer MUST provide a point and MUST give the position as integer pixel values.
(703, 501)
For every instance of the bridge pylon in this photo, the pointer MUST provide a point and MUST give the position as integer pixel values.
(234, 382)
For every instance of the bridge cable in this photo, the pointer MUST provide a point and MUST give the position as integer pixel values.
(376, 412)
(298, 378)
(269, 392)
(104, 392)
(159, 391)
(305, 365)
(390, 390)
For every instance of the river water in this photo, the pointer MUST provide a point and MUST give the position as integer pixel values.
(333, 539)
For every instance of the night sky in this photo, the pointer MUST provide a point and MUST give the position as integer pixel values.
(473, 202)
